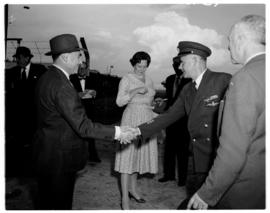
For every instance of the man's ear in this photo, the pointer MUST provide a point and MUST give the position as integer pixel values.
(64, 57)
(240, 42)
(196, 58)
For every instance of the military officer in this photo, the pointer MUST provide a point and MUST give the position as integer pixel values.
(237, 177)
(199, 100)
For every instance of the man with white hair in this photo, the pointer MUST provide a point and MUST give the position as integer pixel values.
(237, 177)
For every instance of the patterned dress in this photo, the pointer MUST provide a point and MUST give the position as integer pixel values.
(138, 156)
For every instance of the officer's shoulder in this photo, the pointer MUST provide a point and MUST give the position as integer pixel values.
(186, 86)
(222, 75)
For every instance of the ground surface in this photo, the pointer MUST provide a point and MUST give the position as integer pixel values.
(97, 187)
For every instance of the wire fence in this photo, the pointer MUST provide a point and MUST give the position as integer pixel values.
(38, 50)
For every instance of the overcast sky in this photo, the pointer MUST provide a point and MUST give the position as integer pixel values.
(114, 32)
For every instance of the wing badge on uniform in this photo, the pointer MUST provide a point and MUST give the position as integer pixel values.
(211, 101)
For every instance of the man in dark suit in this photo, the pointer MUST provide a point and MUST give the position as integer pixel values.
(86, 87)
(176, 145)
(20, 86)
(237, 178)
(60, 150)
(199, 100)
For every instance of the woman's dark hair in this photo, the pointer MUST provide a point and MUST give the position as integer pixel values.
(138, 57)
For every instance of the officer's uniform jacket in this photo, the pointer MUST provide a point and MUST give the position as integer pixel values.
(201, 107)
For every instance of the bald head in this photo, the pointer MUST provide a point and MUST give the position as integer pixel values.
(247, 38)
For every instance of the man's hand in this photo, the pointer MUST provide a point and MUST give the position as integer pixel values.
(88, 94)
(158, 102)
(128, 134)
(196, 202)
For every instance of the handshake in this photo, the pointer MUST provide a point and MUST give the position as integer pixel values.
(127, 134)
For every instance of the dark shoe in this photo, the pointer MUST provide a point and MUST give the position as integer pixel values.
(183, 204)
(138, 200)
(165, 179)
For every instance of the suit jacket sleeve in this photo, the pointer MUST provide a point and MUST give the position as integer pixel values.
(239, 122)
(70, 107)
(174, 113)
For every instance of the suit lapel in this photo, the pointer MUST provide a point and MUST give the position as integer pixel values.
(220, 115)
(77, 82)
(31, 72)
(178, 87)
(170, 87)
(88, 82)
(203, 88)
(18, 73)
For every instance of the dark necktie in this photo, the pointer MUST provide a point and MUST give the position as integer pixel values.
(194, 86)
(23, 75)
(176, 84)
(193, 91)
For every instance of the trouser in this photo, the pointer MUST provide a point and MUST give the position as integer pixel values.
(176, 151)
(194, 182)
(93, 154)
(55, 191)
(18, 160)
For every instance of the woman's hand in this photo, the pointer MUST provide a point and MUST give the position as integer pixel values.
(88, 94)
(138, 90)
(143, 90)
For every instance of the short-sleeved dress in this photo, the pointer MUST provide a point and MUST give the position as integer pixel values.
(139, 156)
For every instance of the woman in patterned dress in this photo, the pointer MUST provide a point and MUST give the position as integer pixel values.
(136, 91)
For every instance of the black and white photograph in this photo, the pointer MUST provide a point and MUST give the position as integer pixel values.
(136, 105)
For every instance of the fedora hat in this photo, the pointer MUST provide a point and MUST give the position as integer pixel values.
(23, 51)
(65, 43)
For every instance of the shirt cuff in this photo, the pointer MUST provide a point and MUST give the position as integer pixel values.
(117, 132)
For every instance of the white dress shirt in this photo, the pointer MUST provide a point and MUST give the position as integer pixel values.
(27, 68)
(82, 82)
(199, 79)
